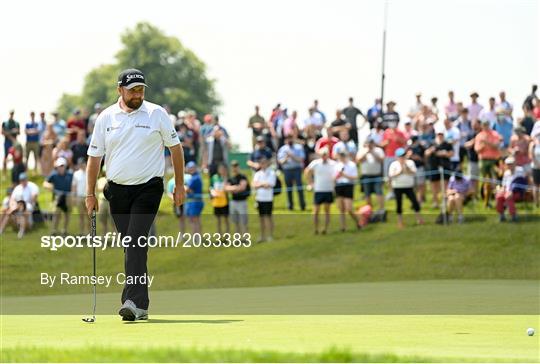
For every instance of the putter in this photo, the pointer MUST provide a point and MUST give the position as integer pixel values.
(93, 234)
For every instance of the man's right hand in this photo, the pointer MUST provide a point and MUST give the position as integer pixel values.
(91, 204)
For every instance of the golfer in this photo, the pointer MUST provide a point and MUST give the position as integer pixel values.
(131, 134)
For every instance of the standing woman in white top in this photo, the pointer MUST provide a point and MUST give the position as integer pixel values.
(320, 175)
(402, 172)
(534, 154)
(132, 135)
(346, 175)
(263, 184)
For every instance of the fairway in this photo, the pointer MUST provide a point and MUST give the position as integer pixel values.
(414, 338)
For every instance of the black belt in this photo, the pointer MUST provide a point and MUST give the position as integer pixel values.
(151, 180)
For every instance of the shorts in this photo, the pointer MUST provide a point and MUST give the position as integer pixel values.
(345, 191)
(194, 208)
(61, 202)
(473, 170)
(265, 208)
(487, 167)
(221, 211)
(372, 184)
(536, 176)
(420, 177)
(238, 212)
(435, 175)
(323, 197)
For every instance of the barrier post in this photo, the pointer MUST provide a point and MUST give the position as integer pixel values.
(443, 196)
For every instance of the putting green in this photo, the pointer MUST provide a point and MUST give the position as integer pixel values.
(276, 338)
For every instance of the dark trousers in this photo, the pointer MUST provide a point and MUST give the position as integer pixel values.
(293, 176)
(133, 209)
(409, 192)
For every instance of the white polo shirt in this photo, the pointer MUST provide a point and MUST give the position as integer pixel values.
(323, 174)
(133, 143)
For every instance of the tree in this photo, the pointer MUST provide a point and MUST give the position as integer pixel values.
(176, 76)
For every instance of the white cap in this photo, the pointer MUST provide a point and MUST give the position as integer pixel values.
(510, 160)
(60, 162)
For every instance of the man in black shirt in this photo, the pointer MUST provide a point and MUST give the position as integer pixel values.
(79, 147)
(351, 112)
(439, 155)
(341, 123)
(390, 117)
(238, 186)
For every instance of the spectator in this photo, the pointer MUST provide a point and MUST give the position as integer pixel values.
(416, 152)
(351, 113)
(260, 151)
(487, 144)
(74, 124)
(238, 186)
(464, 126)
(31, 130)
(490, 113)
(390, 118)
(291, 158)
(257, 124)
(59, 182)
(21, 204)
(78, 192)
(474, 108)
(346, 175)
(327, 142)
(534, 155)
(10, 131)
(59, 126)
(426, 116)
(16, 154)
(393, 139)
(42, 125)
(527, 121)
(371, 158)
(194, 202)
(458, 190)
(505, 105)
(340, 124)
(451, 109)
(219, 199)
(417, 107)
(505, 194)
(314, 124)
(439, 155)
(377, 133)
(344, 145)
(408, 130)
(374, 113)
(216, 150)
(62, 151)
(531, 98)
(290, 126)
(187, 138)
(92, 119)
(320, 176)
(401, 173)
(178, 211)
(453, 136)
(504, 127)
(434, 107)
(79, 148)
(318, 111)
(47, 144)
(519, 148)
(5, 212)
(264, 181)
(473, 169)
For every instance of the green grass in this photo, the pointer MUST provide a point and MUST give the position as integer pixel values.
(271, 338)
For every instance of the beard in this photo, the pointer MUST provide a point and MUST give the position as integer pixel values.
(134, 104)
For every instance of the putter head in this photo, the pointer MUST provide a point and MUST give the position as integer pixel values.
(89, 320)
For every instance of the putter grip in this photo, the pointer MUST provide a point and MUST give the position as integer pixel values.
(93, 223)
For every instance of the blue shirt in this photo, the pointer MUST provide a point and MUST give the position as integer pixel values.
(297, 150)
(258, 153)
(32, 126)
(61, 182)
(505, 128)
(195, 185)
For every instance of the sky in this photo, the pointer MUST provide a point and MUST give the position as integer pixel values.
(290, 52)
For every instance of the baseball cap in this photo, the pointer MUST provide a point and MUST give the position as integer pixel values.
(235, 163)
(191, 165)
(486, 121)
(400, 152)
(23, 176)
(60, 162)
(130, 78)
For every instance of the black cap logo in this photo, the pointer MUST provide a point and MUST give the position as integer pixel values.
(130, 78)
